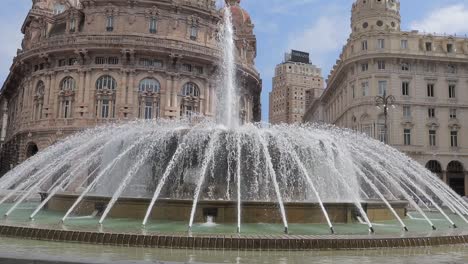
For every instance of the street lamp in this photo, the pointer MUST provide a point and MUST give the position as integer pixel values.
(385, 102)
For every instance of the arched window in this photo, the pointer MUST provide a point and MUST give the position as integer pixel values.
(31, 149)
(435, 167)
(190, 99)
(456, 177)
(149, 85)
(191, 89)
(106, 82)
(68, 84)
(149, 98)
(105, 96)
(66, 97)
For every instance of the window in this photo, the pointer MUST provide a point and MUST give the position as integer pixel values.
(72, 61)
(454, 139)
(158, 63)
(430, 90)
(110, 24)
(364, 45)
(406, 111)
(113, 60)
(72, 25)
(153, 25)
(428, 46)
(106, 82)
(199, 69)
(381, 43)
(365, 89)
(431, 113)
(68, 84)
(193, 33)
(149, 85)
(451, 69)
(191, 89)
(381, 65)
(151, 63)
(66, 109)
(404, 44)
(105, 109)
(405, 88)
(146, 62)
(450, 48)
(407, 137)
(353, 91)
(382, 88)
(364, 67)
(430, 67)
(148, 110)
(405, 66)
(59, 9)
(100, 60)
(432, 138)
(453, 113)
(62, 63)
(452, 92)
(190, 105)
(382, 134)
(187, 67)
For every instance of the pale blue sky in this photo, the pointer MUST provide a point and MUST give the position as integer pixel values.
(320, 27)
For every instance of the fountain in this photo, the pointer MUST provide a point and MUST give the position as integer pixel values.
(297, 178)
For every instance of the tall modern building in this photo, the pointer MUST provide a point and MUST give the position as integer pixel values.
(296, 84)
(84, 63)
(424, 78)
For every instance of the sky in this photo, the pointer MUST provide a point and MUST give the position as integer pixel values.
(320, 27)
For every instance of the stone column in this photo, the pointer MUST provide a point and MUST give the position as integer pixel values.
(131, 92)
(47, 90)
(207, 99)
(88, 99)
(60, 104)
(168, 92)
(124, 95)
(4, 120)
(466, 183)
(175, 87)
(81, 86)
(54, 94)
(213, 101)
(444, 177)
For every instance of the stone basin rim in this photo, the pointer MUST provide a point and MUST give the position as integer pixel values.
(234, 242)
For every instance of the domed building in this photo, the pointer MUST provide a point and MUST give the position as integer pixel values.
(85, 63)
(418, 81)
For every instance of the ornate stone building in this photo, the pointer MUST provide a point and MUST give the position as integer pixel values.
(426, 74)
(89, 62)
(296, 84)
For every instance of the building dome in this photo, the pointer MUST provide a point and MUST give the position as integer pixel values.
(240, 17)
(369, 15)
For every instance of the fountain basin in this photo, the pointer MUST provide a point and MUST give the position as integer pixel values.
(226, 211)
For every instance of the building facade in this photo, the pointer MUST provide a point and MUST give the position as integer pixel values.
(296, 84)
(89, 62)
(426, 77)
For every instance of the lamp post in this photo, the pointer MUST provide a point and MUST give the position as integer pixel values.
(385, 102)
